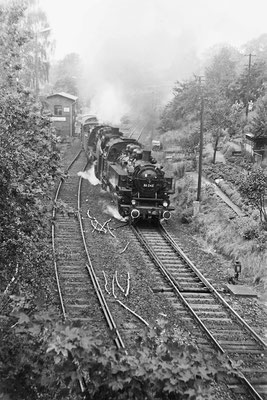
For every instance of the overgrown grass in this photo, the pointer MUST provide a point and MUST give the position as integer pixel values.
(241, 237)
(230, 235)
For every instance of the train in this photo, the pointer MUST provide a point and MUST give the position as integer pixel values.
(138, 183)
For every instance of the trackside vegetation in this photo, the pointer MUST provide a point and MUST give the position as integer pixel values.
(234, 98)
(29, 163)
(45, 359)
(41, 357)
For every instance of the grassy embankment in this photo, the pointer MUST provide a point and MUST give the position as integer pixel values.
(230, 235)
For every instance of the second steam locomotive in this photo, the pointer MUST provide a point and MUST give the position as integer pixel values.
(130, 173)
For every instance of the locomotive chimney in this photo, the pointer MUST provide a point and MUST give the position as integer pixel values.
(146, 155)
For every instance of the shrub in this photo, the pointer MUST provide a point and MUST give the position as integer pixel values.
(187, 215)
(179, 170)
(247, 228)
(42, 358)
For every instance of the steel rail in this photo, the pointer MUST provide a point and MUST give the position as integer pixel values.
(241, 376)
(212, 289)
(107, 313)
(80, 378)
(132, 131)
(135, 130)
(141, 131)
(175, 286)
(53, 237)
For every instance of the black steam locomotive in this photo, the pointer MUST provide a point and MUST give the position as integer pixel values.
(128, 171)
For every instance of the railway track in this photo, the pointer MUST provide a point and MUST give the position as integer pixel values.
(137, 131)
(208, 316)
(76, 278)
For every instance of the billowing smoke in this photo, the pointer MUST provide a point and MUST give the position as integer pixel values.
(109, 104)
(132, 62)
(132, 51)
(111, 210)
(90, 176)
(137, 46)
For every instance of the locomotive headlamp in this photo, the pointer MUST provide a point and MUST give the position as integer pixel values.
(133, 202)
(165, 203)
(166, 215)
(135, 213)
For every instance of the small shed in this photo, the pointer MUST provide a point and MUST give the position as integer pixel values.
(63, 108)
(256, 145)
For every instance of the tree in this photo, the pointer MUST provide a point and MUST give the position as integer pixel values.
(190, 141)
(217, 115)
(254, 188)
(36, 53)
(25, 44)
(237, 120)
(250, 84)
(185, 105)
(221, 72)
(66, 74)
(257, 46)
(66, 84)
(12, 40)
(258, 125)
(29, 162)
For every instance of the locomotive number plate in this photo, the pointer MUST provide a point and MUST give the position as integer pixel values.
(149, 185)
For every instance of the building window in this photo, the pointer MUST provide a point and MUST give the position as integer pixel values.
(57, 110)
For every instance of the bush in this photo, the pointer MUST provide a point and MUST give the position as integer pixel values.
(42, 358)
(179, 170)
(187, 215)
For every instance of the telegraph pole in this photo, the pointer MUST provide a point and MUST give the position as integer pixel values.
(200, 140)
(248, 82)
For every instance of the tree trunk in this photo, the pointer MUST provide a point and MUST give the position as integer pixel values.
(215, 149)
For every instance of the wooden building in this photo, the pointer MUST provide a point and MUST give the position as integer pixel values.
(256, 145)
(63, 109)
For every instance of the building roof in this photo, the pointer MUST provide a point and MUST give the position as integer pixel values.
(88, 117)
(63, 94)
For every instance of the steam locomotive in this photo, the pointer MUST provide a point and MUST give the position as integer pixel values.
(129, 172)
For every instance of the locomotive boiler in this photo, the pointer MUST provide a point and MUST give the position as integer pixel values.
(138, 183)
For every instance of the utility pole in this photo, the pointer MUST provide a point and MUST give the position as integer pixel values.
(248, 82)
(200, 140)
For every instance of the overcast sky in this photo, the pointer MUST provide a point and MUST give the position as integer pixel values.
(84, 25)
(129, 42)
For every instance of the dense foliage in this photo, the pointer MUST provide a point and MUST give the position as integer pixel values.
(39, 356)
(28, 159)
(229, 85)
(48, 358)
(254, 188)
(66, 74)
(259, 121)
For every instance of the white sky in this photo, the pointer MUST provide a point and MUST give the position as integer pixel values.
(87, 25)
(131, 44)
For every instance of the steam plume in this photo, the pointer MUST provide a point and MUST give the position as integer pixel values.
(90, 176)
